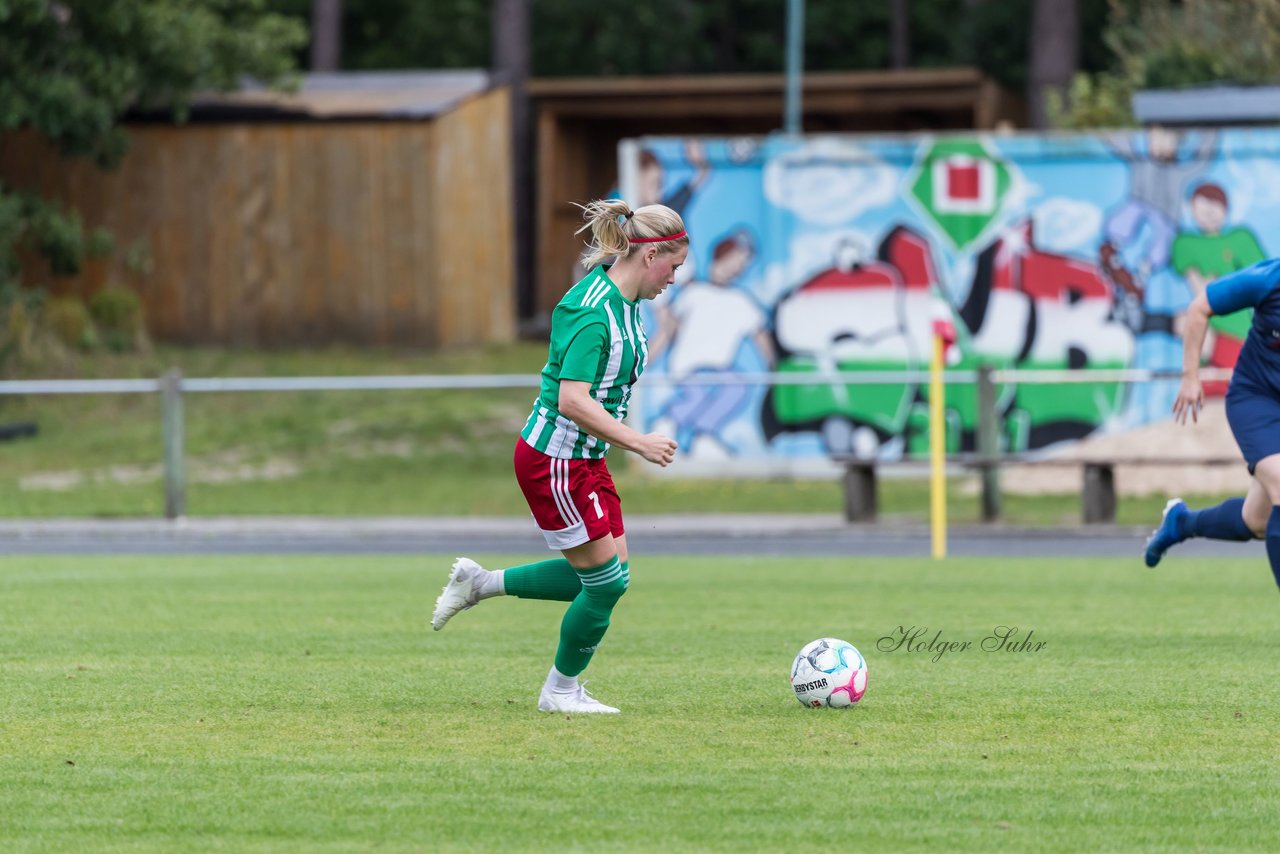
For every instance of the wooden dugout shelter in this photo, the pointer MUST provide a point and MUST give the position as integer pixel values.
(579, 123)
(370, 208)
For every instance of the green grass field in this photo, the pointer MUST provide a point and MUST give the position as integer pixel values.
(370, 453)
(302, 703)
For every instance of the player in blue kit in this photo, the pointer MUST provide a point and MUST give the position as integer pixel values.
(1253, 411)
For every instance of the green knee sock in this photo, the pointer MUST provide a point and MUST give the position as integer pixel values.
(546, 579)
(587, 619)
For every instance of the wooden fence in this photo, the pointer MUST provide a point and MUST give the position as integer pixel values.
(268, 234)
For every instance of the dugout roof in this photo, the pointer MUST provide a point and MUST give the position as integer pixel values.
(580, 121)
(340, 96)
(1208, 105)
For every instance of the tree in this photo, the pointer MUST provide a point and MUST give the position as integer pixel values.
(900, 33)
(510, 64)
(71, 69)
(573, 38)
(399, 34)
(1171, 45)
(1054, 53)
(326, 35)
(1159, 44)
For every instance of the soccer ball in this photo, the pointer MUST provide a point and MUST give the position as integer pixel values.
(829, 672)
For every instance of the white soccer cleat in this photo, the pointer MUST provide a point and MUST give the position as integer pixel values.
(459, 594)
(575, 702)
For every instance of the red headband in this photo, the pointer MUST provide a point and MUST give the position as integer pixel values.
(658, 239)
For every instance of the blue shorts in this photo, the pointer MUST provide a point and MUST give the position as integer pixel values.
(1254, 416)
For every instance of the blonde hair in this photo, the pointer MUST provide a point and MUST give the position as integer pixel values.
(612, 239)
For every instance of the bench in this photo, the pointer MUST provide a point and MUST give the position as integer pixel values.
(1097, 498)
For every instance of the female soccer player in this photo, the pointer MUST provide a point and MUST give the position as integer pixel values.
(1253, 411)
(598, 351)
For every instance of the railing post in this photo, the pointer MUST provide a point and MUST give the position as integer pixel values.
(1099, 496)
(175, 475)
(793, 112)
(861, 500)
(988, 444)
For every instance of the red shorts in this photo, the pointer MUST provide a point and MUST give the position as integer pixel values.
(573, 501)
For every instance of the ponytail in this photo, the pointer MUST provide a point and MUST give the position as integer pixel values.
(607, 237)
(613, 239)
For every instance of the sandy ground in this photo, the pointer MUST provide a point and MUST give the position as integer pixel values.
(1209, 437)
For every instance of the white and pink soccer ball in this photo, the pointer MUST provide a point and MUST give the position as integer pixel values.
(829, 672)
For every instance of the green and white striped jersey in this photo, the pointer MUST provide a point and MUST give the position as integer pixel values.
(596, 337)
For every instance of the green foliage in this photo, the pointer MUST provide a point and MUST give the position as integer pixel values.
(1161, 44)
(39, 332)
(1094, 101)
(138, 259)
(994, 35)
(67, 319)
(59, 236)
(19, 308)
(727, 37)
(396, 34)
(117, 312)
(70, 69)
(13, 224)
(1169, 45)
(388, 32)
(1180, 65)
(573, 38)
(30, 329)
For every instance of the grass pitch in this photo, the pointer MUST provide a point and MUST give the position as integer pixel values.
(302, 703)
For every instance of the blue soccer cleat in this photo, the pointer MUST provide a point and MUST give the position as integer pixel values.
(1169, 533)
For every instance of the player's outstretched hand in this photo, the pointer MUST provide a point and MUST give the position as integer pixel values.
(657, 448)
(1190, 400)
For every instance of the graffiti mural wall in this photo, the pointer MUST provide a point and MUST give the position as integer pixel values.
(835, 253)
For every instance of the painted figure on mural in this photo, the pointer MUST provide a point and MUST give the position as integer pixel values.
(654, 186)
(651, 185)
(652, 189)
(1138, 235)
(702, 328)
(1201, 257)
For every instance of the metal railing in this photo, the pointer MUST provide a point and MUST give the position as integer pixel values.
(173, 386)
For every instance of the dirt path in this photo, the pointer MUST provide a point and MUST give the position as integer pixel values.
(1209, 437)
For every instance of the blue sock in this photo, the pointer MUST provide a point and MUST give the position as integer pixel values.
(1223, 522)
(1273, 542)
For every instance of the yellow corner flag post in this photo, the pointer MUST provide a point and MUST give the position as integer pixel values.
(938, 448)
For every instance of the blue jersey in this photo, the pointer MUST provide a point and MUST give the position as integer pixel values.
(1256, 287)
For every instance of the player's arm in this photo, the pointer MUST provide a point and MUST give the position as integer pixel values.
(1120, 143)
(1208, 142)
(764, 343)
(577, 404)
(1191, 393)
(1243, 289)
